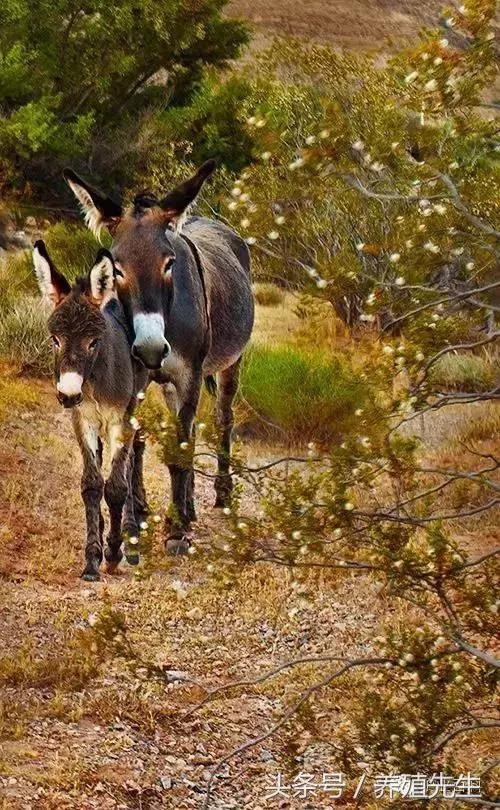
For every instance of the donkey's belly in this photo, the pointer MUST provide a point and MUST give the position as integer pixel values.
(104, 422)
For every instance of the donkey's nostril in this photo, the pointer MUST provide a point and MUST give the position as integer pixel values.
(69, 401)
(150, 354)
(166, 349)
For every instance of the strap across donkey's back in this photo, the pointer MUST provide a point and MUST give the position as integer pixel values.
(201, 273)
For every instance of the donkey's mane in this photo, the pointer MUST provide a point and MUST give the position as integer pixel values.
(143, 202)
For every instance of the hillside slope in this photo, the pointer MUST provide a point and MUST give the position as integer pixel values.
(344, 23)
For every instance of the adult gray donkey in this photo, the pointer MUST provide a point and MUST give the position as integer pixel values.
(185, 287)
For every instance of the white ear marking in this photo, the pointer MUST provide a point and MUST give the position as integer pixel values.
(44, 278)
(93, 217)
(180, 221)
(102, 280)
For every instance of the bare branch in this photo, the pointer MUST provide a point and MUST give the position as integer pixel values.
(460, 206)
(286, 717)
(464, 730)
(446, 300)
(312, 659)
(480, 654)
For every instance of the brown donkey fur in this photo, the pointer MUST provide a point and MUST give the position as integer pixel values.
(98, 380)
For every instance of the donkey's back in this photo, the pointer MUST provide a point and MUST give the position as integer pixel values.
(225, 264)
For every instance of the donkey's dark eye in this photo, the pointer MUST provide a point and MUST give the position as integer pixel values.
(168, 263)
(56, 342)
(93, 345)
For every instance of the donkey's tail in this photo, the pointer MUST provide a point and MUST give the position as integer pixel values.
(211, 385)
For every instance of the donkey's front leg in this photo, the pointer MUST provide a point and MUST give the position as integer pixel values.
(181, 476)
(92, 488)
(117, 491)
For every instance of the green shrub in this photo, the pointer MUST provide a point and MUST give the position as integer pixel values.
(16, 279)
(24, 338)
(73, 248)
(305, 395)
(464, 372)
(65, 99)
(268, 295)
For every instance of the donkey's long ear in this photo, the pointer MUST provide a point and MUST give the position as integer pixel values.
(102, 278)
(53, 286)
(176, 202)
(98, 209)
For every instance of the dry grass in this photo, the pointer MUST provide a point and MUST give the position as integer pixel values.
(268, 295)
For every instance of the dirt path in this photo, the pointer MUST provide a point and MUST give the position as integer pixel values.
(87, 719)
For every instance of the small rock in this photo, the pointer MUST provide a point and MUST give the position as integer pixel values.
(166, 782)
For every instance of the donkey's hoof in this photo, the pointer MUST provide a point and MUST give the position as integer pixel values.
(133, 557)
(221, 501)
(113, 556)
(177, 546)
(91, 576)
(111, 566)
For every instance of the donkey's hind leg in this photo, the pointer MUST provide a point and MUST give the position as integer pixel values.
(227, 388)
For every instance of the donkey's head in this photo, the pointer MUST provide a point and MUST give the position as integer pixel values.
(76, 322)
(144, 252)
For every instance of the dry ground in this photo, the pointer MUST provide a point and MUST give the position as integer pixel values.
(344, 23)
(89, 716)
(104, 738)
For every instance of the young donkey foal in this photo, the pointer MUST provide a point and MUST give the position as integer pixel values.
(186, 290)
(97, 378)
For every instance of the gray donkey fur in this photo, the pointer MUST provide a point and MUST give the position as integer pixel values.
(97, 378)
